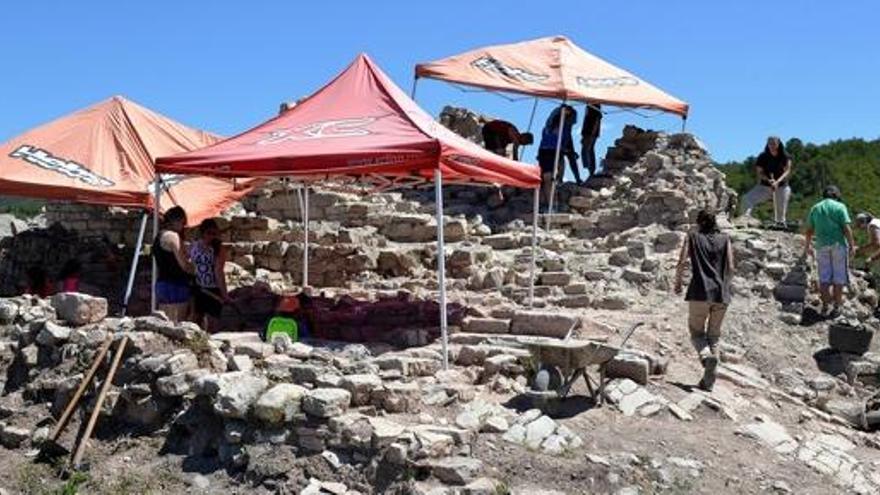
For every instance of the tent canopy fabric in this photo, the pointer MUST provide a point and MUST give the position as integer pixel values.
(360, 125)
(551, 67)
(104, 155)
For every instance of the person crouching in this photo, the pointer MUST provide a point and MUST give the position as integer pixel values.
(710, 255)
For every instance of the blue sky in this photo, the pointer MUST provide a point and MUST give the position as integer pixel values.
(748, 69)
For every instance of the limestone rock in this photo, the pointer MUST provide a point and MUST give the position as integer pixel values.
(280, 403)
(326, 402)
(79, 309)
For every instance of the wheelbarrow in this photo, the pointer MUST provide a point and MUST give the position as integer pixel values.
(560, 363)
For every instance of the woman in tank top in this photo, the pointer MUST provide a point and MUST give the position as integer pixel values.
(174, 270)
(209, 258)
(708, 294)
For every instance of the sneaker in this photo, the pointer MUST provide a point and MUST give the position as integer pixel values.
(710, 365)
(834, 313)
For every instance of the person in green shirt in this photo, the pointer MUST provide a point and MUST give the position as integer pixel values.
(828, 227)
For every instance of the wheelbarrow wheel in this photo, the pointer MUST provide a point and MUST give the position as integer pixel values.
(547, 378)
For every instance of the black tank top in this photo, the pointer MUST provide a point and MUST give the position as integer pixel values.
(166, 264)
(710, 277)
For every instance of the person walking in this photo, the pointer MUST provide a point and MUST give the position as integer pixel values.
(208, 257)
(589, 135)
(549, 141)
(174, 270)
(773, 168)
(829, 239)
(710, 255)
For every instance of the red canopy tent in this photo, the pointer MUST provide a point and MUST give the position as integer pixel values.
(363, 127)
(104, 154)
(551, 67)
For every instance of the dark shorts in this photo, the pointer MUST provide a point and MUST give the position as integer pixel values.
(172, 292)
(546, 159)
(207, 305)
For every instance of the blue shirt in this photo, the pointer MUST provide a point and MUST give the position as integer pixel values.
(550, 134)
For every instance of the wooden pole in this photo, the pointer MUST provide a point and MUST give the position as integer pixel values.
(81, 448)
(87, 379)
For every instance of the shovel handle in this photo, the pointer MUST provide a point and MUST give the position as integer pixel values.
(629, 333)
(83, 384)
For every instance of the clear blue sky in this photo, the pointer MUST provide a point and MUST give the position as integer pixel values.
(809, 69)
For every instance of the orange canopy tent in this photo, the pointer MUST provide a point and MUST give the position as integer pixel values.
(552, 67)
(104, 155)
(360, 126)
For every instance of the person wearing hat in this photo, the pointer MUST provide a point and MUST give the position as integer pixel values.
(828, 227)
(872, 227)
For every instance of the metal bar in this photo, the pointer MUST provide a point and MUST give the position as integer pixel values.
(134, 262)
(555, 165)
(305, 276)
(441, 264)
(535, 208)
(156, 208)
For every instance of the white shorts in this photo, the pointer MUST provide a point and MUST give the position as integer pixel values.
(833, 265)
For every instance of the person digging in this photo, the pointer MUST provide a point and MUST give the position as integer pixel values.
(710, 255)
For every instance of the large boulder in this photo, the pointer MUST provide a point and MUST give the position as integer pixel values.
(79, 309)
(280, 403)
(233, 392)
(326, 402)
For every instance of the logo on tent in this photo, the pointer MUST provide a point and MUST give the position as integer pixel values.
(496, 67)
(337, 128)
(467, 160)
(607, 82)
(70, 168)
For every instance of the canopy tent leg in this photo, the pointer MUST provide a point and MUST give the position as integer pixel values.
(412, 93)
(305, 277)
(535, 207)
(134, 263)
(529, 128)
(156, 207)
(441, 264)
(555, 165)
(684, 121)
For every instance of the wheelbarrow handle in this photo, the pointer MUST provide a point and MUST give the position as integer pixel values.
(629, 334)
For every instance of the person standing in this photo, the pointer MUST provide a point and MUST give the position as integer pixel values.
(710, 255)
(872, 228)
(589, 135)
(208, 257)
(549, 141)
(829, 239)
(773, 168)
(174, 271)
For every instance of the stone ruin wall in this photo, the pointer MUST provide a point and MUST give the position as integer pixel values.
(368, 242)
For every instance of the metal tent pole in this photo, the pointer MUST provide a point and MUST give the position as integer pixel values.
(156, 207)
(441, 264)
(684, 120)
(412, 93)
(305, 276)
(555, 165)
(529, 128)
(536, 206)
(134, 263)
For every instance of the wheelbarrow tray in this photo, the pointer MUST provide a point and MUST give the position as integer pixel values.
(571, 354)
